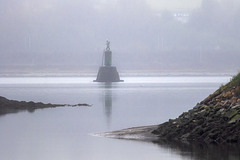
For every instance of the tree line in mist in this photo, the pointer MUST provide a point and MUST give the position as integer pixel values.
(73, 33)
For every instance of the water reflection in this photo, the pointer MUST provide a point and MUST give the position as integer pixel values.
(199, 151)
(107, 101)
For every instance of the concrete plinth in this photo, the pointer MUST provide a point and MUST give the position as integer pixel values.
(108, 74)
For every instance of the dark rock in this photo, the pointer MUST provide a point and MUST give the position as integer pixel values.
(12, 106)
(214, 120)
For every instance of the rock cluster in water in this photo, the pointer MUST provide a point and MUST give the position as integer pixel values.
(12, 106)
(215, 120)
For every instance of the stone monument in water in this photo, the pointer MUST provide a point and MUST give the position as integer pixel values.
(107, 72)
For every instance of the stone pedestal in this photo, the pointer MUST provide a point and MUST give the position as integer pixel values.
(108, 74)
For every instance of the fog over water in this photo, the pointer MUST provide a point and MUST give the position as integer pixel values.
(144, 34)
(197, 40)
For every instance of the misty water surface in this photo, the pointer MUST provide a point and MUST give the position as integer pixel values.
(66, 133)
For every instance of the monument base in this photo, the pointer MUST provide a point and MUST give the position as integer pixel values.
(108, 74)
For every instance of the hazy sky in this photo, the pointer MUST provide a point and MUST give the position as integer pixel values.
(173, 4)
(142, 32)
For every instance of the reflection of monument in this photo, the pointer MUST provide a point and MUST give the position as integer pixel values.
(107, 101)
(107, 72)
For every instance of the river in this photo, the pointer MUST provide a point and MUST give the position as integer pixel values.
(68, 133)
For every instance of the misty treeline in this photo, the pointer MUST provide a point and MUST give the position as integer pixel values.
(214, 26)
(72, 34)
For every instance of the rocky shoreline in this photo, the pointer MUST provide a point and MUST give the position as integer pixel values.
(12, 106)
(214, 120)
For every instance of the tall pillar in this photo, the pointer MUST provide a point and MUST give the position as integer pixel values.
(107, 72)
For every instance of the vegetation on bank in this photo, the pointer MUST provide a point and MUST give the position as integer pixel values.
(233, 83)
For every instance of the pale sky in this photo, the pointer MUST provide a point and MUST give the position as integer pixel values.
(173, 4)
(157, 5)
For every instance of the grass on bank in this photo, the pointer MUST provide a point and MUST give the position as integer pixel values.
(234, 83)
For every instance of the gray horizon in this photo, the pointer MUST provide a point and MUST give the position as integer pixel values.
(72, 34)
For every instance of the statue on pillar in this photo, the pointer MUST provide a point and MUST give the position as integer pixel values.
(107, 55)
(108, 45)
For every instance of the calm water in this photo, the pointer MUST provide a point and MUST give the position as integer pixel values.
(65, 133)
